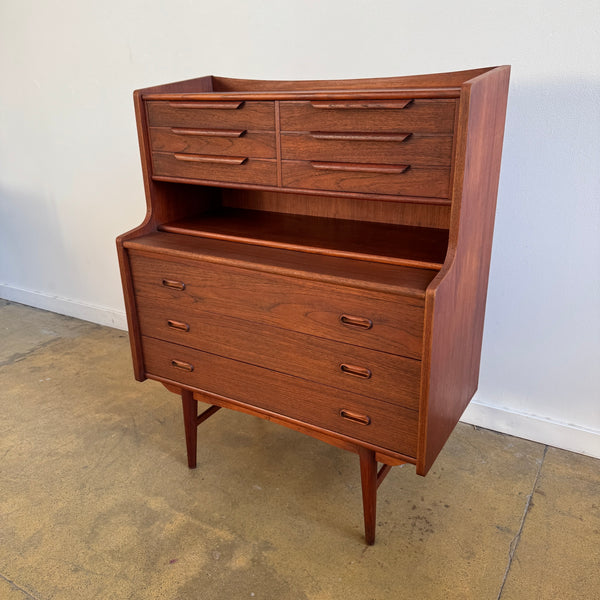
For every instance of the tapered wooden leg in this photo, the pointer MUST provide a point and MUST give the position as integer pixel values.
(190, 422)
(368, 476)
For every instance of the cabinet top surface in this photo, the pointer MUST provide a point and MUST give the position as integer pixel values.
(437, 85)
(395, 279)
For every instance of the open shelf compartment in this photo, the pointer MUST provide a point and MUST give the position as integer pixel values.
(404, 245)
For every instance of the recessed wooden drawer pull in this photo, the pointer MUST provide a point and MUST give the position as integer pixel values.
(184, 366)
(360, 167)
(233, 133)
(362, 372)
(355, 417)
(360, 322)
(210, 105)
(175, 285)
(359, 137)
(362, 104)
(210, 158)
(180, 325)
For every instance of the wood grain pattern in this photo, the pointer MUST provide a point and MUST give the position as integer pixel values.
(393, 244)
(336, 439)
(365, 210)
(249, 115)
(455, 304)
(324, 193)
(360, 275)
(391, 427)
(421, 116)
(431, 84)
(427, 182)
(253, 170)
(254, 144)
(294, 304)
(392, 378)
(432, 150)
(316, 254)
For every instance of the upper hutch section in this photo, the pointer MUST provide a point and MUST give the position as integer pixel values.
(359, 168)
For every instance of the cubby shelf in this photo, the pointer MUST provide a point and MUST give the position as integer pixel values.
(420, 247)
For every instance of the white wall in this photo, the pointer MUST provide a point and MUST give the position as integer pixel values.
(70, 177)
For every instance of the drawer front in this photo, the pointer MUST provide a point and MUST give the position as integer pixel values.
(208, 167)
(221, 142)
(358, 317)
(213, 115)
(416, 116)
(359, 370)
(386, 425)
(429, 182)
(432, 150)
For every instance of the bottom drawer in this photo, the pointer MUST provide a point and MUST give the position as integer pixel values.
(360, 417)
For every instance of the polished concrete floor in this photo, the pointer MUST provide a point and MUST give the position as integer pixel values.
(96, 500)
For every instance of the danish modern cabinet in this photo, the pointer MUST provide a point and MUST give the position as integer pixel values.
(316, 253)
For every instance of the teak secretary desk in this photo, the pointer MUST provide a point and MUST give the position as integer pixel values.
(316, 253)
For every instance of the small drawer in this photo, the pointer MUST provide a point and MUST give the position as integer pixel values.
(210, 167)
(221, 142)
(403, 116)
(369, 147)
(367, 419)
(354, 316)
(377, 374)
(394, 179)
(211, 115)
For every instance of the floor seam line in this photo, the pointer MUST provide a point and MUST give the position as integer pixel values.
(515, 541)
(18, 587)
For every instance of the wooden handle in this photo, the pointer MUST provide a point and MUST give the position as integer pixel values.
(345, 104)
(180, 325)
(360, 167)
(176, 285)
(211, 105)
(360, 322)
(355, 417)
(209, 158)
(184, 366)
(361, 372)
(359, 137)
(230, 133)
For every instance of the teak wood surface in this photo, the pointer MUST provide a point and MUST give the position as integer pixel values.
(316, 253)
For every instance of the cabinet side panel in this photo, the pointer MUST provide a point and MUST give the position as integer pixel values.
(455, 302)
(145, 227)
(164, 202)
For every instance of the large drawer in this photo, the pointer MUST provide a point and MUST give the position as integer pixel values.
(395, 179)
(197, 114)
(358, 317)
(414, 116)
(232, 142)
(355, 369)
(380, 423)
(363, 147)
(209, 167)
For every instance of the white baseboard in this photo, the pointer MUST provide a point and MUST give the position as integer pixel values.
(531, 427)
(535, 428)
(65, 306)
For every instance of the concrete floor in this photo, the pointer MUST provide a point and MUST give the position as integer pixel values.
(96, 500)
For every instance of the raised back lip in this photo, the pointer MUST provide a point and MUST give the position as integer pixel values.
(438, 85)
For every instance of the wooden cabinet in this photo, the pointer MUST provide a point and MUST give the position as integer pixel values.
(316, 253)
